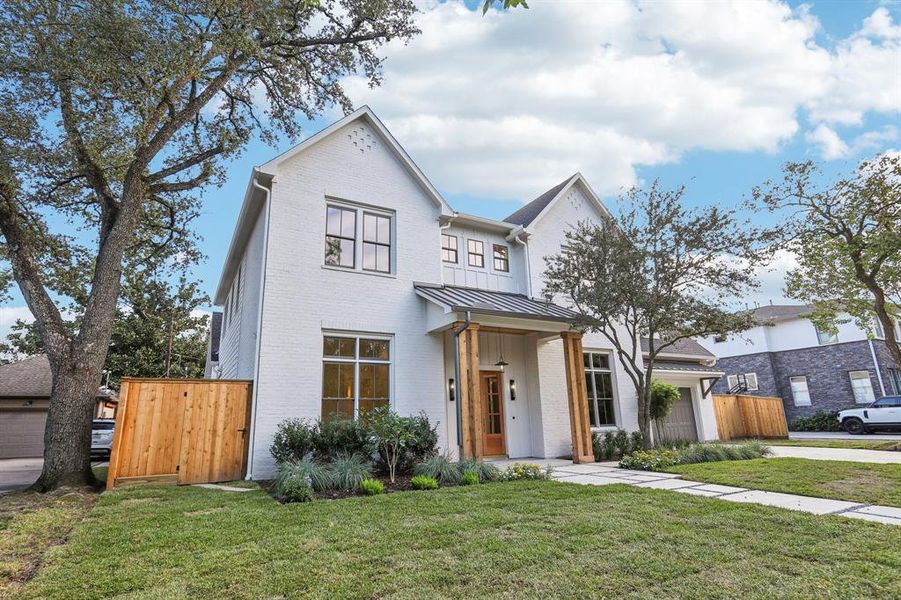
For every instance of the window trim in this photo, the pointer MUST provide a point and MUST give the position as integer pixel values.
(869, 380)
(756, 387)
(806, 388)
(505, 258)
(353, 264)
(614, 398)
(833, 337)
(731, 381)
(455, 249)
(360, 210)
(389, 245)
(470, 253)
(356, 360)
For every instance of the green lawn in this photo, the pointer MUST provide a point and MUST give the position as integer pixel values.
(856, 482)
(852, 444)
(521, 539)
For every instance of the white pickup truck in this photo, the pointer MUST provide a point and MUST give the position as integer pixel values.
(885, 413)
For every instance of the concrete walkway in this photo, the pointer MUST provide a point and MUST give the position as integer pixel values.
(841, 435)
(846, 454)
(607, 473)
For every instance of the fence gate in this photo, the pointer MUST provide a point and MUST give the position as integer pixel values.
(741, 416)
(180, 431)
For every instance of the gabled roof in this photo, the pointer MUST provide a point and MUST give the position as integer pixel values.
(775, 313)
(30, 378)
(683, 347)
(492, 303)
(538, 207)
(363, 113)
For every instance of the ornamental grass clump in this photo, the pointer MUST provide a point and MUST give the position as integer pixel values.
(372, 487)
(662, 458)
(424, 482)
(292, 483)
(440, 468)
(347, 471)
(486, 471)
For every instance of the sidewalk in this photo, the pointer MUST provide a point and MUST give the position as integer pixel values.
(846, 454)
(608, 473)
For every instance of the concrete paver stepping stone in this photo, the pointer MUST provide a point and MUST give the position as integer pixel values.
(668, 484)
(694, 491)
(582, 469)
(817, 506)
(591, 480)
(721, 489)
(882, 511)
(876, 518)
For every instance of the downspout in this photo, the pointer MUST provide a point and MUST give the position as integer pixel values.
(459, 410)
(876, 364)
(525, 249)
(256, 368)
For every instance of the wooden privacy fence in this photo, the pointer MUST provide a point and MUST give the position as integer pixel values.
(740, 416)
(180, 431)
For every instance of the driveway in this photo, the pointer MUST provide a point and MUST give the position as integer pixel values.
(841, 435)
(848, 454)
(18, 473)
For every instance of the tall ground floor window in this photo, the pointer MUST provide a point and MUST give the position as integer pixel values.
(599, 383)
(862, 387)
(356, 374)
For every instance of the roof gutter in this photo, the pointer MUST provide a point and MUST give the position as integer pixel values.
(267, 194)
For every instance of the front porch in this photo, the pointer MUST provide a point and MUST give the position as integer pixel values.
(515, 380)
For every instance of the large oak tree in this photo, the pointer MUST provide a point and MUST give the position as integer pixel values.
(113, 114)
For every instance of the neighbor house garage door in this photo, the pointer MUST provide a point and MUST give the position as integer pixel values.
(680, 424)
(22, 433)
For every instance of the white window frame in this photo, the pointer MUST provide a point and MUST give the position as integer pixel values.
(755, 387)
(731, 381)
(862, 375)
(878, 330)
(356, 361)
(455, 249)
(505, 259)
(800, 379)
(613, 389)
(362, 210)
(470, 253)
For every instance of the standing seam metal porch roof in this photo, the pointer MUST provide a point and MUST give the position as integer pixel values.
(505, 304)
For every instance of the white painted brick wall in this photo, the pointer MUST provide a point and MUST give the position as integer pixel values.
(302, 297)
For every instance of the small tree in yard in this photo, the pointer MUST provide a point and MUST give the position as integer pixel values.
(113, 115)
(392, 434)
(657, 271)
(847, 238)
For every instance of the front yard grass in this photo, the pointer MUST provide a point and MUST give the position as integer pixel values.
(870, 483)
(851, 444)
(521, 539)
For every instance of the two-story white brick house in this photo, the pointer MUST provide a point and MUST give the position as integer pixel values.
(351, 283)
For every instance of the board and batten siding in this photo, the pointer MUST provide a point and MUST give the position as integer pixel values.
(486, 278)
(304, 298)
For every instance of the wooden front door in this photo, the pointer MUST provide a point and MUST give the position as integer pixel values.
(493, 443)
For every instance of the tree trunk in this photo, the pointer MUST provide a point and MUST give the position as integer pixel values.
(644, 418)
(67, 436)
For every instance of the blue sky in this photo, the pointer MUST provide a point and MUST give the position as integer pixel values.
(496, 109)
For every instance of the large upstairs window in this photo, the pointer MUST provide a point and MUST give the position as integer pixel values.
(346, 225)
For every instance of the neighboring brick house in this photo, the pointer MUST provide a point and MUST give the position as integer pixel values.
(811, 370)
(348, 283)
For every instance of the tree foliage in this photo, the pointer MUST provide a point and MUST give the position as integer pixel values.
(663, 397)
(114, 115)
(658, 271)
(847, 239)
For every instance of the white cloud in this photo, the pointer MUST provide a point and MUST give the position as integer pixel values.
(8, 317)
(828, 141)
(510, 103)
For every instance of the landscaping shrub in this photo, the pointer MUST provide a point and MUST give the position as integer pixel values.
(662, 457)
(343, 436)
(372, 487)
(611, 445)
(822, 420)
(649, 460)
(293, 484)
(347, 471)
(440, 468)
(486, 471)
(520, 471)
(294, 439)
(421, 445)
(392, 434)
(469, 478)
(318, 475)
(424, 482)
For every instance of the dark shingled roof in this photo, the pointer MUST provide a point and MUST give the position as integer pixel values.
(774, 313)
(215, 334)
(687, 347)
(525, 215)
(31, 378)
(493, 303)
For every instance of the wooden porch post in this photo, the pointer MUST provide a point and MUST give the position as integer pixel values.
(578, 397)
(469, 392)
